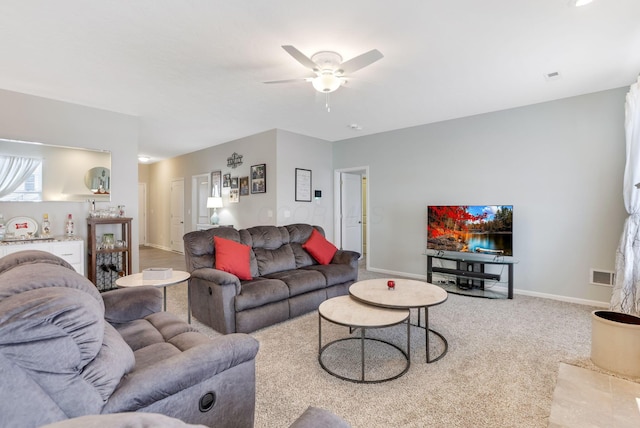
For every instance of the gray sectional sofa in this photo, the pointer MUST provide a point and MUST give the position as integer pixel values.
(67, 351)
(286, 280)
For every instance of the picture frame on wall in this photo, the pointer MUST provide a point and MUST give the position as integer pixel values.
(234, 196)
(244, 186)
(234, 182)
(216, 183)
(226, 180)
(259, 178)
(303, 185)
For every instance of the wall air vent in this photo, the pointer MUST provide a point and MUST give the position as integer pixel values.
(602, 277)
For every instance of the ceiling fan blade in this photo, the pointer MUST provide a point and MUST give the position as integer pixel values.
(361, 61)
(282, 81)
(300, 57)
(301, 79)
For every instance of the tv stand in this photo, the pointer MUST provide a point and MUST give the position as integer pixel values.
(469, 272)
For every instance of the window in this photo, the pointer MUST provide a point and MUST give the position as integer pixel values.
(29, 190)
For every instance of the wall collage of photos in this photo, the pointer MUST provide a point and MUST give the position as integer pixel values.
(254, 183)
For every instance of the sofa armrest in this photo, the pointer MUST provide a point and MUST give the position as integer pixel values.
(143, 387)
(346, 257)
(218, 277)
(129, 304)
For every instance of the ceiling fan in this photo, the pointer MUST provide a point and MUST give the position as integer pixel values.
(330, 71)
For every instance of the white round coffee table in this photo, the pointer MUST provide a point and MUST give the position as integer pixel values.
(407, 294)
(345, 311)
(135, 280)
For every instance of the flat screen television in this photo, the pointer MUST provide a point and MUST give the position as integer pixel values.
(484, 229)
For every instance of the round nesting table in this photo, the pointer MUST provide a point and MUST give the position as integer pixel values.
(407, 294)
(345, 311)
(135, 280)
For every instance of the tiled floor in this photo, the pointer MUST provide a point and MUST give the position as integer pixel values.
(584, 398)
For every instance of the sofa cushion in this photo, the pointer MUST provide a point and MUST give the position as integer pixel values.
(36, 275)
(114, 360)
(267, 237)
(260, 291)
(299, 233)
(321, 249)
(51, 334)
(335, 273)
(300, 281)
(275, 260)
(199, 243)
(232, 257)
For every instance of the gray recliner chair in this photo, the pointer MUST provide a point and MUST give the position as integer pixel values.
(67, 351)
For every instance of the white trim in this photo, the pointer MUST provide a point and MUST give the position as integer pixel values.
(162, 247)
(337, 223)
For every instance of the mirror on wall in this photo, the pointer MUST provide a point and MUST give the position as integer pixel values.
(98, 180)
(44, 172)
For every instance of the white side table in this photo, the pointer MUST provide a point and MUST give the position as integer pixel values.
(135, 280)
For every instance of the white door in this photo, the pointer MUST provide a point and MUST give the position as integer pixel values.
(177, 215)
(142, 213)
(351, 203)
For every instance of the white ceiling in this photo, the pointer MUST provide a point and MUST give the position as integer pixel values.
(192, 70)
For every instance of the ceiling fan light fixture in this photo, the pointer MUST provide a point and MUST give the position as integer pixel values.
(326, 82)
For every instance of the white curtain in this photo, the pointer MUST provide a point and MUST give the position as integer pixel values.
(626, 291)
(14, 171)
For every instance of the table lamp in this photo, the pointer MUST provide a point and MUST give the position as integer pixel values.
(214, 202)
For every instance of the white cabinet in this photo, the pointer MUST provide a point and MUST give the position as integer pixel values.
(70, 250)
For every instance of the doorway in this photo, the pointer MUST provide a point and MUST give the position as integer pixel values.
(351, 192)
(177, 215)
(200, 191)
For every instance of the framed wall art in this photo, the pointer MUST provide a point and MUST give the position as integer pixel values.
(259, 178)
(234, 196)
(226, 180)
(234, 182)
(303, 185)
(216, 183)
(244, 186)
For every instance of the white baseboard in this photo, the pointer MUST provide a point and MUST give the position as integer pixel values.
(504, 288)
(160, 247)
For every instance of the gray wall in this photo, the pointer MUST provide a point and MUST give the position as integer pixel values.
(29, 118)
(299, 151)
(250, 211)
(560, 164)
(281, 151)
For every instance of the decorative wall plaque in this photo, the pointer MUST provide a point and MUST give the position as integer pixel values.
(234, 160)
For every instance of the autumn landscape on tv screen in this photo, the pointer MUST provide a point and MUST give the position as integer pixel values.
(486, 229)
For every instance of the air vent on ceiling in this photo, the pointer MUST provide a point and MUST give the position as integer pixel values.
(602, 277)
(554, 75)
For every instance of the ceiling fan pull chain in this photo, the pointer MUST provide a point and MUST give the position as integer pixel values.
(326, 103)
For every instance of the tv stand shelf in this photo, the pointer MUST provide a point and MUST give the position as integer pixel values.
(469, 272)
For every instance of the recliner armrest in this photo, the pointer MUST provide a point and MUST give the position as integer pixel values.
(141, 388)
(218, 277)
(129, 304)
(346, 257)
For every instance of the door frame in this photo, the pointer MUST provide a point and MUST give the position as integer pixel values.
(181, 244)
(337, 206)
(194, 197)
(142, 212)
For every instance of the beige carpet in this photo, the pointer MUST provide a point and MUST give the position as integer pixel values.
(500, 370)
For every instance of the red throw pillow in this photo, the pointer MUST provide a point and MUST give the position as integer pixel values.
(233, 257)
(319, 248)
